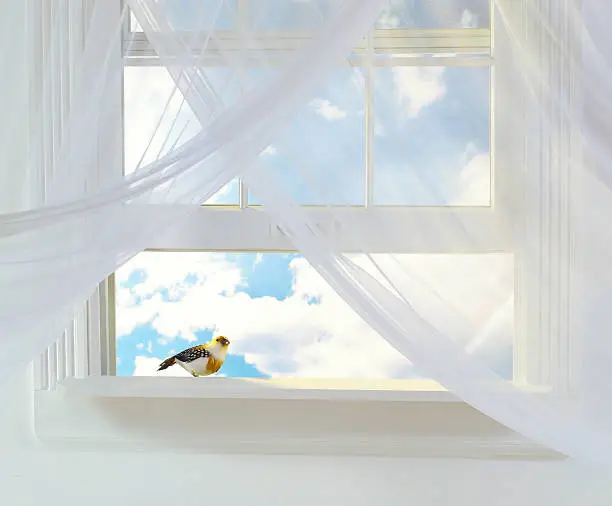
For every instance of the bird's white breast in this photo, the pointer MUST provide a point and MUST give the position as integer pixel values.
(198, 365)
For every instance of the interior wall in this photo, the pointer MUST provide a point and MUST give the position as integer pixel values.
(31, 474)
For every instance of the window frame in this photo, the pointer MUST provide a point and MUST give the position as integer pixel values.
(84, 379)
(92, 334)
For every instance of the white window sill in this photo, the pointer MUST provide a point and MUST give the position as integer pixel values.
(309, 417)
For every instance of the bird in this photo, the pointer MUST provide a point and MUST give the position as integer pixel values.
(200, 360)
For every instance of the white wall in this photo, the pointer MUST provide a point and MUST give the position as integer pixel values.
(33, 475)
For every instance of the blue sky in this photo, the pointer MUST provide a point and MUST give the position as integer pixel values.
(430, 147)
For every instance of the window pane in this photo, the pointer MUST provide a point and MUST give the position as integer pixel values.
(157, 118)
(436, 14)
(431, 141)
(320, 157)
(283, 320)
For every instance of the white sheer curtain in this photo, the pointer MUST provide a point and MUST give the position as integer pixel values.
(53, 255)
(550, 208)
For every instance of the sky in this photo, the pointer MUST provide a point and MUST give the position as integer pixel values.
(430, 146)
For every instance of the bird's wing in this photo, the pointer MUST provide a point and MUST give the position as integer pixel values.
(191, 354)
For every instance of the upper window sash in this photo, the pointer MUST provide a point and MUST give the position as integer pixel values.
(472, 43)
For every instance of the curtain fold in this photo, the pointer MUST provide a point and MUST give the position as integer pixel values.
(43, 276)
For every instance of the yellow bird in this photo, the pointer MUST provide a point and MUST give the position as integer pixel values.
(200, 360)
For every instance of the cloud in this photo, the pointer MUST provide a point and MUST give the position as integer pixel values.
(473, 186)
(156, 120)
(388, 20)
(468, 19)
(173, 273)
(418, 87)
(327, 110)
(134, 312)
(147, 92)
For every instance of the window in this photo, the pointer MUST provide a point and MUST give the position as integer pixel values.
(424, 72)
(407, 79)
(367, 136)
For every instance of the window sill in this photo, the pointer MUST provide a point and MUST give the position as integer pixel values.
(294, 389)
(307, 417)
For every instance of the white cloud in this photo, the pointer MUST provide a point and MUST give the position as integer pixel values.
(134, 313)
(468, 19)
(327, 110)
(169, 271)
(156, 120)
(388, 20)
(389, 17)
(147, 90)
(418, 87)
(474, 184)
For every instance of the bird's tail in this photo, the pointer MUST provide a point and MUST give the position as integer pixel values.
(166, 363)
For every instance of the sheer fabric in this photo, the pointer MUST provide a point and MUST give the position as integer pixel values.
(54, 254)
(549, 197)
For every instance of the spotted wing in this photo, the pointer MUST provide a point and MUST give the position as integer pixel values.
(191, 354)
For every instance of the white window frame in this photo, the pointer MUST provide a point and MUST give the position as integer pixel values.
(75, 376)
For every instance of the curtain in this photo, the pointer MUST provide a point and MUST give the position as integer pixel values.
(545, 208)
